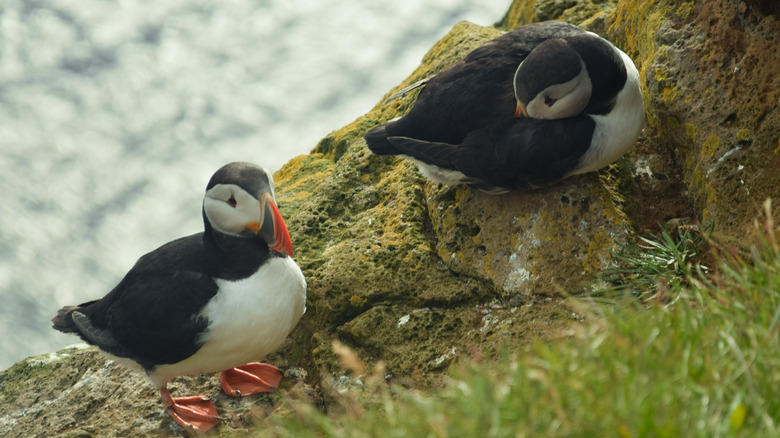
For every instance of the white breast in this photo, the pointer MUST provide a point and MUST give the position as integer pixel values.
(248, 319)
(617, 131)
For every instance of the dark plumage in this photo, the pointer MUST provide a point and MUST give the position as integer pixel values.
(211, 301)
(168, 331)
(462, 128)
(490, 157)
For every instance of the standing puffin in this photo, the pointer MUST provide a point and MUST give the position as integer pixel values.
(212, 301)
(533, 106)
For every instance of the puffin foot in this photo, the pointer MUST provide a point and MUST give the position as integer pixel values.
(195, 412)
(252, 378)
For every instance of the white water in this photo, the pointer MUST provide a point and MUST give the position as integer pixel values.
(114, 114)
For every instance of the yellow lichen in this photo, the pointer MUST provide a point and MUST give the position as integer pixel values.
(661, 74)
(300, 171)
(663, 52)
(357, 301)
(673, 122)
(598, 250)
(692, 131)
(743, 134)
(519, 13)
(315, 177)
(704, 194)
(710, 146)
(685, 10)
(289, 169)
(710, 196)
(632, 27)
(669, 93)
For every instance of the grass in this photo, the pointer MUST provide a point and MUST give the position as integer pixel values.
(705, 364)
(665, 260)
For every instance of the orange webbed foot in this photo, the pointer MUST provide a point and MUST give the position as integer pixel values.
(252, 378)
(195, 412)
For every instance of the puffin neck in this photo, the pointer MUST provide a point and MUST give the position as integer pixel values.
(606, 70)
(233, 257)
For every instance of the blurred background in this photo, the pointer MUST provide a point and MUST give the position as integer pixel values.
(114, 114)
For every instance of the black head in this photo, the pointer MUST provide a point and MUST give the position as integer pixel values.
(240, 202)
(552, 82)
(250, 177)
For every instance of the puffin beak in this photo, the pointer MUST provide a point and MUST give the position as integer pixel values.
(520, 111)
(272, 227)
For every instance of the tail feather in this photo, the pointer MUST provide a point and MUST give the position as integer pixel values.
(376, 139)
(63, 320)
(71, 319)
(437, 154)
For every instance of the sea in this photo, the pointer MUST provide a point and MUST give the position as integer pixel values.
(115, 113)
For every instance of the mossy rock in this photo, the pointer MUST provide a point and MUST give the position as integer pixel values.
(710, 74)
(79, 392)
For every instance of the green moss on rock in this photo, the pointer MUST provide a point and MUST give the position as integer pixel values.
(706, 69)
(579, 12)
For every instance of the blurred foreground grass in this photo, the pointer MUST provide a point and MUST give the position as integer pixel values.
(699, 356)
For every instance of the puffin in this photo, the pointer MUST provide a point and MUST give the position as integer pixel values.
(218, 300)
(536, 105)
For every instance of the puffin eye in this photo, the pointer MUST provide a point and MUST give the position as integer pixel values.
(549, 101)
(232, 201)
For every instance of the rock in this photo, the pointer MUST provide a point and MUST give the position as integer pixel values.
(420, 276)
(78, 392)
(710, 72)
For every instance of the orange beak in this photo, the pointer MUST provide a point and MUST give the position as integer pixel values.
(272, 228)
(520, 111)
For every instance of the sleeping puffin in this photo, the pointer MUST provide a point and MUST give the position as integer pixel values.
(212, 301)
(533, 106)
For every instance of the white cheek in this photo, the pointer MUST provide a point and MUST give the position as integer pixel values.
(230, 220)
(572, 98)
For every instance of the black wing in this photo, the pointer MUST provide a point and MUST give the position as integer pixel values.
(153, 315)
(526, 153)
(430, 152)
(520, 154)
(473, 93)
